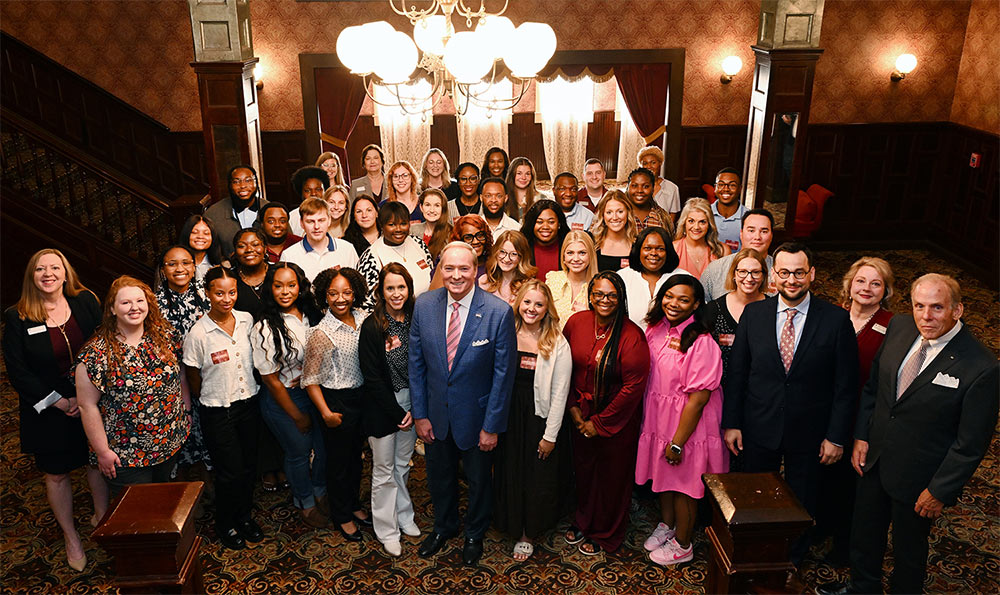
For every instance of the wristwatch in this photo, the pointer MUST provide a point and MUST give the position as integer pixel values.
(676, 449)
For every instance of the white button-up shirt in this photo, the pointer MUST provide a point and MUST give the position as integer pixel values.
(934, 347)
(798, 322)
(226, 363)
(289, 368)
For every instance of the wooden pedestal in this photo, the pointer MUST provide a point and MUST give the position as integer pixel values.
(150, 532)
(755, 519)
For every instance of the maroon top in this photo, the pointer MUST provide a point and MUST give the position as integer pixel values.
(605, 464)
(64, 357)
(869, 340)
(546, 259)
(274, 257)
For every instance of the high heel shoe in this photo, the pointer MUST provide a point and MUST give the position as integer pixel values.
(354, 537)
(79, 564)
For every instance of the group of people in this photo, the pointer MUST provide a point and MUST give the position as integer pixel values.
(564, 350)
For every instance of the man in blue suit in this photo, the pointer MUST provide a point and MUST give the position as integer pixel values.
(463, 349)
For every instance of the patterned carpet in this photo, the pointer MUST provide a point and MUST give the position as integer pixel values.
(965, 555)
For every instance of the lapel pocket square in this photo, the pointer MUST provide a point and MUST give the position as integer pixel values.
(945, 380)
(485, 341)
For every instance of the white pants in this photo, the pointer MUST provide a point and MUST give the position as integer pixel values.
(391, 504)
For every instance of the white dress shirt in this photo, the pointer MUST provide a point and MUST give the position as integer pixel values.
(669, 196)
(264, 355)
(934, 347)
(579, 217)
(464, 305)
(798, 322)
(226, 362)
(507, 223)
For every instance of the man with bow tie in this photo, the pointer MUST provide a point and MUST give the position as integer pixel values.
(926, 419)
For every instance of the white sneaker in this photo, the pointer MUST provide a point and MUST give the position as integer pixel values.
(393, 548)
(661, 534)
(411, 530)
(672, 553)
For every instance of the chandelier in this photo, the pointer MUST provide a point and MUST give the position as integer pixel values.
(463, 65)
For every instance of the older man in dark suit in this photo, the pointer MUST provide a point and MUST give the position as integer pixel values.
(926, 419)
(793, 376)
(463, 349)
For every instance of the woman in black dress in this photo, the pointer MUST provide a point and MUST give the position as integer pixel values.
(532, 460)
(744, 284)
(43, 332)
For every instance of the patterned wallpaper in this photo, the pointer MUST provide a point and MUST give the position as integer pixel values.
(141, 51)
(861, 41)
(977, 93)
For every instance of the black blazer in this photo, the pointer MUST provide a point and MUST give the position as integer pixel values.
(381, 413)
(32, 369)
(814, 400)
(934, 436)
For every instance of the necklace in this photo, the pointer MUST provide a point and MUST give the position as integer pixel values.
(598, 337)
(865, 323)
(400, 250)
(69, 348)
(254, 288)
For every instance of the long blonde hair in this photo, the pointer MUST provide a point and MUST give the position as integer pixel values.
(550, 322)
(160, 332)
(31, 306)
(883, 268)
(582, 237)
(424, 174)
(524, 270)
(600, 229)
(345, 219)
(712, 236)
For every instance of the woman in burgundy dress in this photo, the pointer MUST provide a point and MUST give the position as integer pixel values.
(610, 368)
(866, 293)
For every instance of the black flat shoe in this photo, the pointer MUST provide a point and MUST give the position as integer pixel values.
(353, 537)
(472, 551)
(232, 540)
(365, 522)
(432, 544)
(250, 531)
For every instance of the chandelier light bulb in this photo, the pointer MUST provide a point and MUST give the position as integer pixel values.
(467, 58)
(732, 65)
(529, 48)
(398, 58)
(430, 33)
(351, 50)
(495, 33)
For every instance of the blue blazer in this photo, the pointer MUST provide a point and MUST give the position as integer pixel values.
(475, 395)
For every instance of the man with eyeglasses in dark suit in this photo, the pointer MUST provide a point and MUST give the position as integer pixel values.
(793, 377)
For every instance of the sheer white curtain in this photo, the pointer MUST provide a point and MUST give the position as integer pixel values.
(480, 129)
(564, 109)
(404, 137)
(629, 142)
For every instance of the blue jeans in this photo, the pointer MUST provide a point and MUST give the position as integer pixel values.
(306, 485)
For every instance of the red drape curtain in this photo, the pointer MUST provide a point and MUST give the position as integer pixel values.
(339, 97)
(644, 89)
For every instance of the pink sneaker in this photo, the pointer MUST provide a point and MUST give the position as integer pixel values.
(672, 553)
(661, 534)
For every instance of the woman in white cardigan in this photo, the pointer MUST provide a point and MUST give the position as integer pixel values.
(532, 460)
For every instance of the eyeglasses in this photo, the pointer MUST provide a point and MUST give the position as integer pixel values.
(472, 179)
(469, 238)
(173, 264)
(504, 255)
(730, 185)
(598, 296)
(742, 274)
(402, 176)
(799, 274)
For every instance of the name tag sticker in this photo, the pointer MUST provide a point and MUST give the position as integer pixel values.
(945, 380)
(625, 263)
(727, 339)
(423, 264)
(878, 328)
(220, 356)
(35, 330)
(528, 362)
(576, 226)
(734, 246)
(674, 344)
(393, 342)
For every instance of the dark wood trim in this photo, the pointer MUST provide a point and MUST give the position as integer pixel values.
(308, 63)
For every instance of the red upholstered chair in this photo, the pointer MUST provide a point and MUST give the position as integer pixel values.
(809, 210)
(709, 192)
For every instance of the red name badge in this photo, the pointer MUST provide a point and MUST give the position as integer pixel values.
(625, 263)
(528, 362)
(734, 246)
(674, 344)
(576, 226)
(393, 342)
(220, 356)
(422, 264)
(727, 339)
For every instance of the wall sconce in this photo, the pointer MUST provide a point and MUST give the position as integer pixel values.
(905, 64)
(258, 74)
(731, 66)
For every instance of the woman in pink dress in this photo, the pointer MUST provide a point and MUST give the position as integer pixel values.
(680, 438)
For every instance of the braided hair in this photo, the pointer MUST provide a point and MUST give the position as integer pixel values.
(607, 365)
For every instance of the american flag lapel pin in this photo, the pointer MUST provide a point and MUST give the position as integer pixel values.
(478, 315)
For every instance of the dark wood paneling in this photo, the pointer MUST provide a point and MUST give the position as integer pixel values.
(283, 153)
(603, 136)
(704, 151)
(365, 133)
(88, 116)
(524, 139)
(444, 136)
